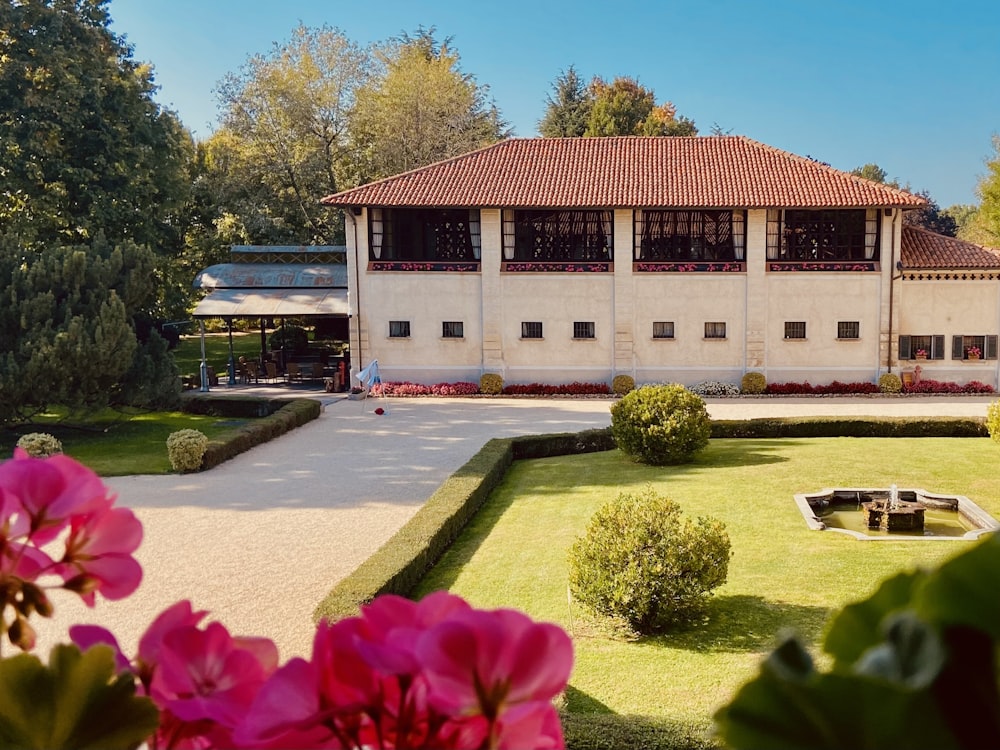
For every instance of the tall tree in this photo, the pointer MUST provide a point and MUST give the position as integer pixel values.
(625, 107)
(422, 108)
(931, 217)
(284, 141)
(987, 219)
(567, 109)
(93, 179)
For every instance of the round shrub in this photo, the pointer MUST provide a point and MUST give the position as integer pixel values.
(660, 424)
(491, 384)
(642, 561)
(753, 383)
(186, 449)
(993, 420)
(622, 384)
(890, 383)
(40, 444)
(295, 338)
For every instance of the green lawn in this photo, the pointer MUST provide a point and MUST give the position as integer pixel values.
(187, 355)
(116, 443)
(781, 576)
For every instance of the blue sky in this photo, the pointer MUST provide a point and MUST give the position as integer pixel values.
(912, 86)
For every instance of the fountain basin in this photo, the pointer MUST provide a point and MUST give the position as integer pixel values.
(947, 517)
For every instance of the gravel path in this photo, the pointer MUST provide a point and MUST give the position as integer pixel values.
(261, 539)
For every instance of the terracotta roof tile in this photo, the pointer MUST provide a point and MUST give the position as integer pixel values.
(925, 249)
(626, 172)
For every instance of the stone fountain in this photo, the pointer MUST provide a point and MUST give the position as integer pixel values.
(889, 513)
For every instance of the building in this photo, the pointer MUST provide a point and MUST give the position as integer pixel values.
(668, 259)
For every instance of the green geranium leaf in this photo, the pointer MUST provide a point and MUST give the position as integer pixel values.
(76, 701)
(963, 590)
(858, 627)
(830, 711)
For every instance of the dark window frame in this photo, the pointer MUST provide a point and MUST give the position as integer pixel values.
(399, 329)
(675, 236)
(530, 331)
(661, 334)
(452, 329)
(823, 235)
(560, 236)
(910, 344)
(715, 330)
(795, 330)
(424, 234)
(584, 329)
(848, 330)
(986, 343)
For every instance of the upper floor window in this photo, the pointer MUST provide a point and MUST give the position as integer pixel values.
(822, 235)
(663, 329)
(690, 235)
(557, 236)
(424, 234)
(452, 329)
(795, 329)
(715, 330)
(399, 329)
(583, 329)
(531, 329)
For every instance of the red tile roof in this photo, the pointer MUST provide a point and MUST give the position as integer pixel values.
(925, 249)
(627, 172)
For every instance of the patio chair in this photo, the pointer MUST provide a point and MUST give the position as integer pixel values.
(293, 372)
(272, 371)
(317, 371)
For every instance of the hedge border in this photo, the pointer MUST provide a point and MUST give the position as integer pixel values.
(782, 427)
(271, 418)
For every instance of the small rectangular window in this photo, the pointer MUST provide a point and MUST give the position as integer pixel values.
(531, 330)
(848, 329)
(399, 329)
(795, 329)
(583, 330)
(663, 329)
(452, 329)
(715, 330)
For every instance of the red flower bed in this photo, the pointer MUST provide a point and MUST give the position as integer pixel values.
(568, 389)
(836, 387)
(417, 389)
(941, 386)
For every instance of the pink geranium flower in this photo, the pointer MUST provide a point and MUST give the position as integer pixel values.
(98, 555)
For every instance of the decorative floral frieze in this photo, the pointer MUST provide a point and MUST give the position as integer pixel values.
(823, 266)
(550, 266)
(414, 265)
(675, 267)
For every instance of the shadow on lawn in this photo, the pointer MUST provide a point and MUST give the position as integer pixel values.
(748, 623)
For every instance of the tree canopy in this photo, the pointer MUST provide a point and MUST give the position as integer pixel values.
(930, 217)
(987, 219)
(621, 107)
(420, 108)
(94, 180)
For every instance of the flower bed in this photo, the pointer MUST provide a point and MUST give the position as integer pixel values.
(836, 387)
(406, 388)
(566, 389)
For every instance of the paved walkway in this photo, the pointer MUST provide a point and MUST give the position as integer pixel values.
(261, 539)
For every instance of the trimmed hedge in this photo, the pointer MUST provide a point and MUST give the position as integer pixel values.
(783, 427)
(401, 562)
(278, 416)
(608, 731)
(236, 407)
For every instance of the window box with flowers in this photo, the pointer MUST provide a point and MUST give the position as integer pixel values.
(920, 354)
(973, 353)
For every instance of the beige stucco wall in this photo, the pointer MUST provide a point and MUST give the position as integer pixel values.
(623, 305)
(950, 307)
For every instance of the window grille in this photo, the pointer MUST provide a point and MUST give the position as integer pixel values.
(425, 234)
(531, 330)
(795, 329)
(931, 346)
(663, 329)
(974, 347)
(822, 235)
(583, 330)
(452, 329)
(716, 236)
(715, 330)
(557, 236)
(848, 329)
(399, 329)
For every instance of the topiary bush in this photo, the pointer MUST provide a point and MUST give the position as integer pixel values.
(40, 444)
(186, 449)
(622, 384)
(753, 383)
(491, 384)
(993, 420)
(641, 561)
(660, 424)
(890, 383)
